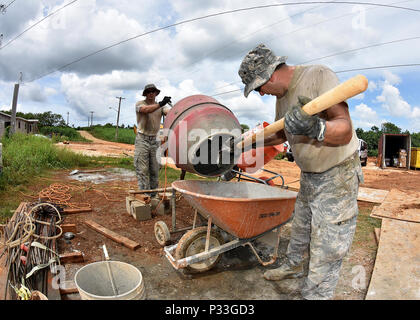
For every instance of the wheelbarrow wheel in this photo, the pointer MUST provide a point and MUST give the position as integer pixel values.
(194, 242)
(162, 234)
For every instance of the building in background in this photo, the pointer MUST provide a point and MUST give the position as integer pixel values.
(22, 125)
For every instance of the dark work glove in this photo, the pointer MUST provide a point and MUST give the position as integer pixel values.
(298, 122)
(165, 101)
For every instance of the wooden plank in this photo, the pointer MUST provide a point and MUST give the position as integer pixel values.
(396, 275)
(372, 195)
(68, 287)
(73, 257)
(169, 189)
(399, 205)
(74, 211)
(113, 235)
(69, 228)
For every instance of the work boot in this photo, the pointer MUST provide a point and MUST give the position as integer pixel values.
(285, 271)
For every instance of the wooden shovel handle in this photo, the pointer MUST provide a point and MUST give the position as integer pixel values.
(340, 93)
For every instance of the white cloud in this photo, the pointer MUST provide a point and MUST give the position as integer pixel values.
(196, 57)
(393, 102)
(391, 78)
(364, 112)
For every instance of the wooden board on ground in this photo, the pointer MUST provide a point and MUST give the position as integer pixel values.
(113, 235)
(372, 195)
(74, 211)
(68, 287)
(69, 228)
(396, 275)
(399, 205)
(73, 257)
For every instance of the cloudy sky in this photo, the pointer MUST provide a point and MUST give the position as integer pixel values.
(202, 56)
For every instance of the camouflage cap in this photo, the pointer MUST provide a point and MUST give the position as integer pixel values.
(258, 66)
(148, 87)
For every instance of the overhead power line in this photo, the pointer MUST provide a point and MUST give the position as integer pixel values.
(344, 71)
(381, 67)
(361, 48)
(10, 3)
(219, 14)
(35, 24)
(312, 25)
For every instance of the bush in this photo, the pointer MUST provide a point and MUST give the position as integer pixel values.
(62, 133)
(26, 156)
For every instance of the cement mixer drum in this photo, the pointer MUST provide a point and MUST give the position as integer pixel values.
(196, 129)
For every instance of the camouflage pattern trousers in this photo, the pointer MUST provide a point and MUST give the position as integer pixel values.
(146, 162)
(324, 222)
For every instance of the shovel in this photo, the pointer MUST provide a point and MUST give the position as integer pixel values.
(108, 266)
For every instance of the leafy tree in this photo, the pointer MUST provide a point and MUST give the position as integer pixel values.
(245, 128)
(415, 140)
(389, 127)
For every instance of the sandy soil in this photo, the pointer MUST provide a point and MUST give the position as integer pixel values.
(99, 147)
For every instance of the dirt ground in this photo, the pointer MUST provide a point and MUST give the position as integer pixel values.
(238, 275)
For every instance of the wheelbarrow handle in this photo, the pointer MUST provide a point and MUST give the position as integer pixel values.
(340, 93)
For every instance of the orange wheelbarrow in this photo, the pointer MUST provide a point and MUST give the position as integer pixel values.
(244, 210)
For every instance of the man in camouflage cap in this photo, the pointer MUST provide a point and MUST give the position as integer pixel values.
(325, 149)
(148, 115)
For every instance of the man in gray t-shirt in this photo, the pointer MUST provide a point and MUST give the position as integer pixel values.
(148, 116)
(325, 149)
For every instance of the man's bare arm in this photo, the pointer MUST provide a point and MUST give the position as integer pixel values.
(149, 108)
(338, 125)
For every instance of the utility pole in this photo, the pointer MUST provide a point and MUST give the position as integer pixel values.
(118, 117)
(14, 106)
(91, 119)
(68, 113)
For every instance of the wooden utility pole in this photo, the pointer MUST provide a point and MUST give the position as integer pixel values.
(118, 117)
(14, 106)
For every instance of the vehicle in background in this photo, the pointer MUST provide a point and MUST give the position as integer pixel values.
(288, 152)
(363, 152)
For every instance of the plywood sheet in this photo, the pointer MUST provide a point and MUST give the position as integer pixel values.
(372, 195)
(396, 275)
(399, 205)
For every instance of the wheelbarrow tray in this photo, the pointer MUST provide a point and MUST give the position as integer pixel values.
(243, 209)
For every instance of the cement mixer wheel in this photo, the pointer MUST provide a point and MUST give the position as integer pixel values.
(194, 242)
(162, 234)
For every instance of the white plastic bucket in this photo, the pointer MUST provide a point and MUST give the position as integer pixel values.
(93, 281)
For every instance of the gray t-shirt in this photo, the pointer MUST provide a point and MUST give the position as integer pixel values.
(149, 123)
(310, 154)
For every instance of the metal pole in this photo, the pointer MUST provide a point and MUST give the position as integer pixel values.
(118, 117)
(14, 106)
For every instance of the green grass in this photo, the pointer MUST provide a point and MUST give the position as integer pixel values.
(27, 156)
(365, 228)
(108, 134)
(62, 134)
